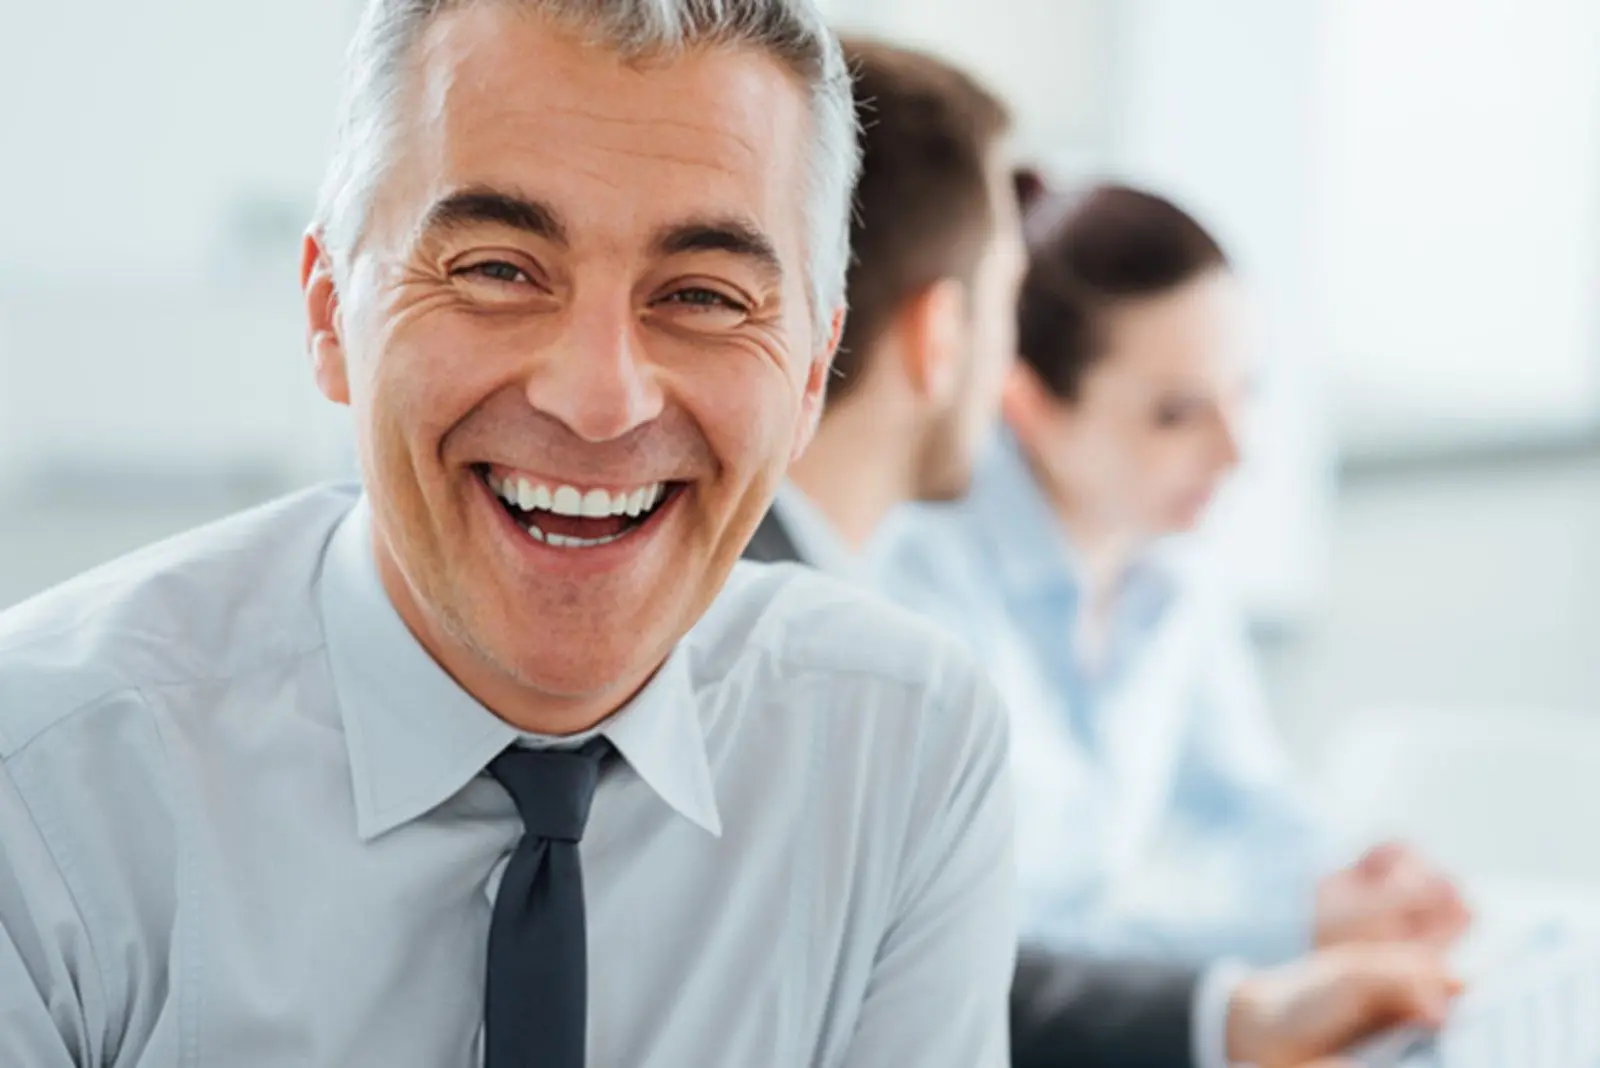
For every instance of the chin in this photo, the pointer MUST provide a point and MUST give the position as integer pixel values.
(1188, 518)
(946, 487)
(567, 654)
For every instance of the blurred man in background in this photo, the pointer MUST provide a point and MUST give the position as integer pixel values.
(1073, 569)
(461, 770)
(939, 257)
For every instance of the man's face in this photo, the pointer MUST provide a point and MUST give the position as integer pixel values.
(577, 342)
(955, 438)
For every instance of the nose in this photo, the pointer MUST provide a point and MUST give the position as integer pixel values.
(598, 379)
(1229, 451)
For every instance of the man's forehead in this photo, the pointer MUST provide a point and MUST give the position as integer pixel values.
(511, 98)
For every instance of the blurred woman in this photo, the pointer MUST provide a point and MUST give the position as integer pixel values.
(1157, 811)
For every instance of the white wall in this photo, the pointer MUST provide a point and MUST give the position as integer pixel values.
(1048, 58)
(10, 436)
(161, 158)
(1214, 106)
(1460, 205)
(133, 131)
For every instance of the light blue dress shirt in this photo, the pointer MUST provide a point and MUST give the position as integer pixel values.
(244, 823)
(1162, 748)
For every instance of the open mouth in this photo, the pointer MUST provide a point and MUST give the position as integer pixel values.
(568, 517)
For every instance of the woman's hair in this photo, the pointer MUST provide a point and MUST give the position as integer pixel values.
(1087, 255)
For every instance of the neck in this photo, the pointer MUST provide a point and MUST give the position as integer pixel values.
(854, 475)
(1104, 550)
(1104, 555)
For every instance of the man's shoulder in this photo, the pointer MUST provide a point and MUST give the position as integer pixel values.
(205, 605)
(805, 623)
(801, 658)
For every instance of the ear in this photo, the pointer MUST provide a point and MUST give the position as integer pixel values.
(932, 327)
(815, 397)
(323, 340)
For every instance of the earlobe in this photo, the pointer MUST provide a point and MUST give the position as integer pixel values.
(323, 340)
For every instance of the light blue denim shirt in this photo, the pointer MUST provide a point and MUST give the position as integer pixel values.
(1162, 748)
(244, 824)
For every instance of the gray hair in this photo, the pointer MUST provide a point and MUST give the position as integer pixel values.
(792, 31)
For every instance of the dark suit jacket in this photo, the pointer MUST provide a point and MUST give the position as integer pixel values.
(1067, 1010)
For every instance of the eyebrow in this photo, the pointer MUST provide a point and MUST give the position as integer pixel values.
(484, 205)
(729, 234)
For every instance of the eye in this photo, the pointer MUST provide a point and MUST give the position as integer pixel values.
(494, 271)
(1172, 414)
(701, 297)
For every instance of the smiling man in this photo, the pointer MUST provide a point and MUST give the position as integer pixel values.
(496, 759)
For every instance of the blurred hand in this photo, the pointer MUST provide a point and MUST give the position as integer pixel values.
(1311, 1009)
(1392, 894)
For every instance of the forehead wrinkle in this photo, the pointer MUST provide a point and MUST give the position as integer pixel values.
(687, 143)
(669, 157)
(662, 125)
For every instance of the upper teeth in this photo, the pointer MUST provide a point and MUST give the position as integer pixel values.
(571, 501)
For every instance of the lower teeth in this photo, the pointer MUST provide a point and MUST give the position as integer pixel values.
(562, 541)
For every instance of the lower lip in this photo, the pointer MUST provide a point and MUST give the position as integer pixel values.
(588, 559)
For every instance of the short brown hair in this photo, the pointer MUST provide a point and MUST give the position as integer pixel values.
(923, 208)
(1085, 255)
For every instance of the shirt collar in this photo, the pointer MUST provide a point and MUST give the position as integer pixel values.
(815, 537)
(415, 737)
(1033, 554)
(1030, 553)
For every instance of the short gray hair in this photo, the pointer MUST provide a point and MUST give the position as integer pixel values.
(792, 31)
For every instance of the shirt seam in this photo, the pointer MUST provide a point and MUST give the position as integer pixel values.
(186, 915)
(938, 651)
(64, 870)
(138, 688)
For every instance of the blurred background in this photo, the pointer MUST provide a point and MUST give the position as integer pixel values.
(1410, 186)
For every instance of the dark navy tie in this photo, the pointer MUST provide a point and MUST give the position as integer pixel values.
(536, 994)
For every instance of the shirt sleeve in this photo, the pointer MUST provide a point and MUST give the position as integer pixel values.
(51, 994)
(1213, 1002)
(938, 994)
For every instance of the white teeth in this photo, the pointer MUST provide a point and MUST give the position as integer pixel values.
(571, 501)
(534, 532)
(562, 541)
(567, 501)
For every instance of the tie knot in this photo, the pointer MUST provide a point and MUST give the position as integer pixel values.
(553, 788)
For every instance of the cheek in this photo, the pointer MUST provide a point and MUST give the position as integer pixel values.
(415, 388)
(748, 409)
(1174, 467)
